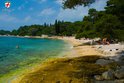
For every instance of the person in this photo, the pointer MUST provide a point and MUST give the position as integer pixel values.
(17, 46)
(105, 41)
(92, 42)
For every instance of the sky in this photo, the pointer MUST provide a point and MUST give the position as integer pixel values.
(28, 12)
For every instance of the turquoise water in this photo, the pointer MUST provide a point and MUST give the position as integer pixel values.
(30, 51)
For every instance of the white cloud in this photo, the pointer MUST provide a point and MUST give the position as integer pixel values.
(59, 2)
(41, 1)
(80, 11)
(47, 12)
(22, 5)
(99, 4)
(8, 10)
(72, 15)
(28, 18)
(8, 18)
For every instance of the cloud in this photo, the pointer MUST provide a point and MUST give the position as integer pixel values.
(72, 15)
(41, 1)
(99, 4)
(8, 10)
(8, 18)
(28, 18)
(80, 11)
(59, 2)
(22, 5)
(47, 12)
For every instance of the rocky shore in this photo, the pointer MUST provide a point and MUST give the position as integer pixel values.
(83, 64)
(114, 75)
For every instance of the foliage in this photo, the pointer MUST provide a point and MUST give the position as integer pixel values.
(3, 32)
(73, 3)
(107, 24)
(115, 7)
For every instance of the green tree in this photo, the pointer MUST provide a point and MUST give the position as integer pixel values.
(93, 15)
(57, 27)
(73, 3)
(4, 32)
(107, 24)
(14, 32)
(115, 7)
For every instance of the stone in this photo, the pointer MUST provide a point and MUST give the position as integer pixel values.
(105, 81)
(108, 75)
(58, 81)
(103, 62)
(120, 73)
(121, 58)
(70, 81)
(98, 77)
(121, 63)
(119, 81)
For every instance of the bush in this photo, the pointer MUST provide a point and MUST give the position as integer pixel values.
(119, 34)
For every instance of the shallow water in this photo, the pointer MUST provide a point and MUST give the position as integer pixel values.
(30, 51)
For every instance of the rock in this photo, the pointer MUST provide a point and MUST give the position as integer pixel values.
(105, 81)
(121, 58)
(103, 62)
(98, 77)
(70, 81)
(121, 63)
(58, 81)
(108, 75)
(119, 81)
(120, 73)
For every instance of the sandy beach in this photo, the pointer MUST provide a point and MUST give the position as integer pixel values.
(87, 50)
(78, 50)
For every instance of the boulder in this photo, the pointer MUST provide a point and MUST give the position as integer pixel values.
(103, 62)
(98, 77)
(108, 75)
(120, 73)
(121, 58)
(119, 81)
(58, 81)
(105, 81)
(121, 63)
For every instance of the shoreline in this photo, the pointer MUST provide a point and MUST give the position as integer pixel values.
(79, 50)
(75, 51)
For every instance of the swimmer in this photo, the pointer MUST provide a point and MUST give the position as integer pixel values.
(17, 46)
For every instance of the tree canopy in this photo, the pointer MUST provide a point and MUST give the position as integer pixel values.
(73, 3)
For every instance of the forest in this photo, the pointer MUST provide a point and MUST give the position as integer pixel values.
(108, 23)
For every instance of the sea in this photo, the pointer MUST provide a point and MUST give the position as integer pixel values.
(20, 53)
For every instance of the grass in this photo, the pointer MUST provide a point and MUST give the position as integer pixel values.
(74, 70)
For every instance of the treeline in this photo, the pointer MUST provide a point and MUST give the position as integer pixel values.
(4, 32)
(108, 23)
(59, 28)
